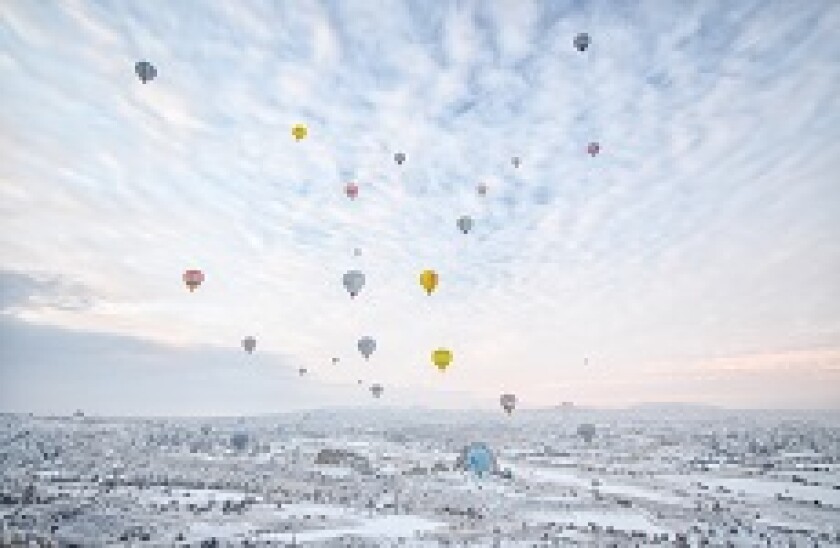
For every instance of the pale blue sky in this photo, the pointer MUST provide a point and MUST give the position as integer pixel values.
(695, 259)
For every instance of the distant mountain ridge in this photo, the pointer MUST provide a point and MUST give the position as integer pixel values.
(678, 406)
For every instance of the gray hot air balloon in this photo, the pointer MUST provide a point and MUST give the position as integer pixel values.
(399, 157)
(354, 281)
(302, 371)
(586, 431)
(335, 361)
(366, 346)
(465, 224)
(516, 161)
(508, 402)
(376, 390)
(357, 252)
(581, 41)
(249, 344)
(145, 71)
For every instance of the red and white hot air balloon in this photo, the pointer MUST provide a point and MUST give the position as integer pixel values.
(193, 279)
(593, 148)
(352, 190)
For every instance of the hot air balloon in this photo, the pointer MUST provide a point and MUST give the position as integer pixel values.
(482, 189)
(399, 157)
(508, 402)
(335, 361)
(352, 190)
(354, 281)
(581, 41)
(359, 381)
(357, 252)
(586, 431)
(249, 344)
(299, 132)
(376, 390)
(465, 224)
(302, 371)
(429, 280)
(516, 161)
(193, 279)
(366, 346)
(593, 148)
(145, 71)
(442, 358)
(477, 458)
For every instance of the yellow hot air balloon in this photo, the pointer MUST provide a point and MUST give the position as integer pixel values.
(299, 131)
(442, 358)
(429, 280)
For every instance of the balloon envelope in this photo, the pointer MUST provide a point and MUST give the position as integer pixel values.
(478, 459)
(249, 344)
(465, 224)
(593, 148)
(354, 281)
(482, 189)
(193, 279)
(516, 161)
(366, 346)
(429, 280)
(299, 131)
(145, 71)
(442, 358)
(399, 157)
(376, 390)
(586, 431)
(508, 402)
(352, 190)
(581, 41)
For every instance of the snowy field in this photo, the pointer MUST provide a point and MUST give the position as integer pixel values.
(386, 478)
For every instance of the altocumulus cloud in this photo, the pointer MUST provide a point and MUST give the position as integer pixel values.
(706, 230)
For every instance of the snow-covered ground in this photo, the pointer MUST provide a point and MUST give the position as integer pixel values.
(390, 478)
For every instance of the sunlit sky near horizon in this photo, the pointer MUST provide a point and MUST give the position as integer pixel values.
(695, 259)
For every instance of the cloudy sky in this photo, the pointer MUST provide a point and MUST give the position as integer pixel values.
(696, 259)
